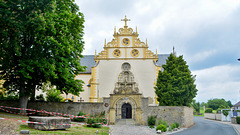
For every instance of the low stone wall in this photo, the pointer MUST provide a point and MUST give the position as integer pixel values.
(180, 114)
(213, 116)
(61, 107)
(172, 114)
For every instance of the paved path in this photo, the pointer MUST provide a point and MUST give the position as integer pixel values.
(208, 127)
(127, 127)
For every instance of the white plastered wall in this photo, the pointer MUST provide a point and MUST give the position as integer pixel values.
(144, 73)
(86, 93)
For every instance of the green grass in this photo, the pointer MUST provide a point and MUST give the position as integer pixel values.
(76, 130)
(201, 111)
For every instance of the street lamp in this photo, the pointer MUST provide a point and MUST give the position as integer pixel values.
(239, 59)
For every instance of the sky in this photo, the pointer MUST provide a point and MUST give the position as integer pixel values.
(205, 32)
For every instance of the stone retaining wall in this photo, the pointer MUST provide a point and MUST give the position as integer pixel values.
(172, 114)
(213, 116)
(61, 107)
(180, 114)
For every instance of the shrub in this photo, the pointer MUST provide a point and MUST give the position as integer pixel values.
(151, 120)
(208, 110)
(95, 122)
(54, 96)
(177, 125)
(40, 97)
(80, 119)
(161, 127)
(225, 113)
(151, 126)
(173, 126)
(160, 121)
(238, 119)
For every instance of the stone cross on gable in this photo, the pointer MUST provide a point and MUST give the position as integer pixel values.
(125, 20)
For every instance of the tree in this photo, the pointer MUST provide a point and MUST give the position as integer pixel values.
(40, 41)
(216, 103)
(175, 84)
(196, 106)
(229, 103)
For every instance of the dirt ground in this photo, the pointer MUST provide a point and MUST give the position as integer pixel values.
(10, 127)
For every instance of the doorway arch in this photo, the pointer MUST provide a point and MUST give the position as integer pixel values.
(126, 111)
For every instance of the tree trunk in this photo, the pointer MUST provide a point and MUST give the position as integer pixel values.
(23, 99)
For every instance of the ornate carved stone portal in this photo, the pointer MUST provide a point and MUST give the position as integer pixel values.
(126, 83)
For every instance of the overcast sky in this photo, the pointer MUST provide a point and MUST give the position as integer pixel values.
(205, 32)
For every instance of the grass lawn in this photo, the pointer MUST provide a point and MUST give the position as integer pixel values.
(74, 130)
(201, 111)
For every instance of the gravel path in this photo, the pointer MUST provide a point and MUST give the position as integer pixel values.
(130, 130)
(10, 127)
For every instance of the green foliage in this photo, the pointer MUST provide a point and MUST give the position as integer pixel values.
(80, 119)
(10, 96)
(151, 120)
(151, 126)
(54, 95)
(161, 127)
(203, 104)
(196, 106)
(208, 110)
(40, 97)
(175, 125)
(40, 41)
(94, 122)
(238, 119)
(160, 121)
(216, 103)
(225, 113)
(229, 103)
(175, 85)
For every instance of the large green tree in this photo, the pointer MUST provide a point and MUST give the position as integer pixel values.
(175, 84)
(216, 103)
(41, 40)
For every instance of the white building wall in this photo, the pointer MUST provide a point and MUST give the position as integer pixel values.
(145, 73)
(85, 94)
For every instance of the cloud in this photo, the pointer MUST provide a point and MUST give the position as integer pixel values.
(218, 82)
(205, 32)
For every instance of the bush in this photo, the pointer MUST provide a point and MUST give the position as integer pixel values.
(80, 119)
(95, 122)
(40, 97)
(177, 124)
(160, 121)
(208, 110)
(151, 120)
(238, 119)
(225, 113)
(54, 96)
(161, 127)
(151, 126)
(173, 126)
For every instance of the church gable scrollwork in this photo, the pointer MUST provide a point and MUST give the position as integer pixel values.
(126, 83)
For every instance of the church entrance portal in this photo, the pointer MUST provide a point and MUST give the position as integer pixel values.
(126, 111)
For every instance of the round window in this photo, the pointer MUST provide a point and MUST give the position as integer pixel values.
(135, 53)
(117, 53)
(126, 66)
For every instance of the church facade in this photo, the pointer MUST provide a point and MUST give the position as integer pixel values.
(121, 74)
(124, 66)
(120, 81)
